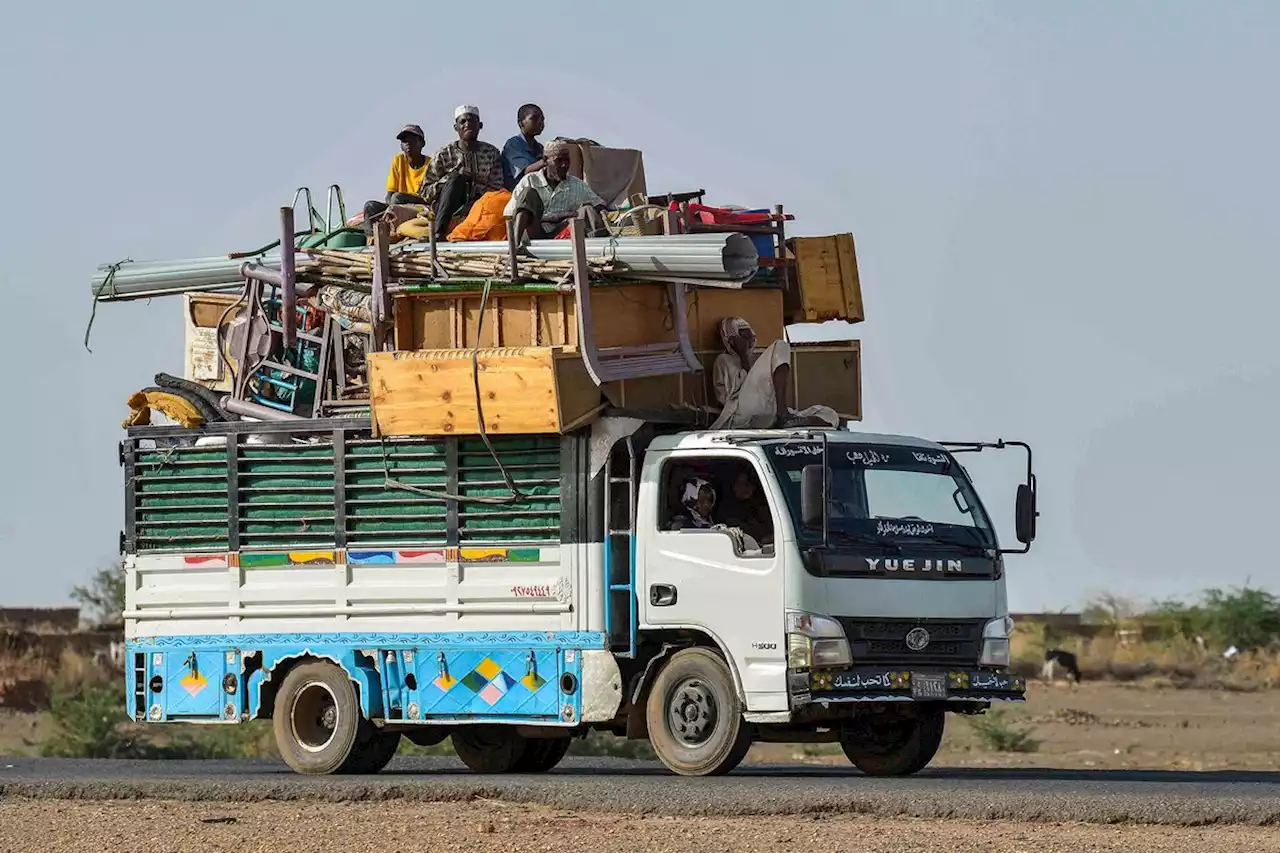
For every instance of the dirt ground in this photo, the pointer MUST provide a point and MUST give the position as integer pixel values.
(1111, 726)
(71, 827)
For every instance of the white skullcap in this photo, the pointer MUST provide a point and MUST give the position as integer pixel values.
(466, 109)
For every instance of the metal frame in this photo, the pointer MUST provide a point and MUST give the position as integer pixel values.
(999, 444)
(632, 362)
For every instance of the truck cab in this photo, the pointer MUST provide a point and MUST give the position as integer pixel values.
(853, 584)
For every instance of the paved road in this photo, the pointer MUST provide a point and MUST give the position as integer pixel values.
(628, 786)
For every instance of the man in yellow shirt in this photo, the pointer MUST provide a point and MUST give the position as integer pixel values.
(404, 178)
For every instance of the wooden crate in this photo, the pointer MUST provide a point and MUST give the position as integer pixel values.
(625, 315)
(523, 390)
(826, 271)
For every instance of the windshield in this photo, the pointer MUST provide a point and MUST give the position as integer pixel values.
(887, 492)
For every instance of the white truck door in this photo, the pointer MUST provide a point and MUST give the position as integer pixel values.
(701, 579)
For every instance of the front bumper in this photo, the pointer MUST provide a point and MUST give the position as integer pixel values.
(921, 684)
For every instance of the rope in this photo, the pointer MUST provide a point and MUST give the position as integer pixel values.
(109, 288)
(516, 495)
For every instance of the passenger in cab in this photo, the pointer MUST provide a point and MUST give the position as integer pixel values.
(544, 201)
(404, 178)
(755, 390)
(698, 497)
(522, 155)
(747, 509)
(462, 171)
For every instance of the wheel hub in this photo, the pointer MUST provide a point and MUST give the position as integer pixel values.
(692, 712)
(314, 716)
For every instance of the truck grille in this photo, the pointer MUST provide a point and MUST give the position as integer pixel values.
(885, 640)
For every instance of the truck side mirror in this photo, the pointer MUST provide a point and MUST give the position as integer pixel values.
(813, 499)
(1025, 513)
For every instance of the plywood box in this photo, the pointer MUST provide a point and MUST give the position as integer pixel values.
(522, 391)
(625, 315)
(827, 274)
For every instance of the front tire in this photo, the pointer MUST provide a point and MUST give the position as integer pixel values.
(489, 748)
(694, 715)
(317, 718)
(893, 743)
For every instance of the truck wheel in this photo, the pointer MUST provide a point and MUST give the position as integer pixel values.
(694, 716)
(373, 751)
(894, 744)
(542, 754)
(489, 749)
(317, 718)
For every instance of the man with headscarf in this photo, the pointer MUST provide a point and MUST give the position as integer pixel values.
(755, 390)
(461, 171)
(698, 497)
(543, 201)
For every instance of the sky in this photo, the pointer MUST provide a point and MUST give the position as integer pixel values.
(1066, 219)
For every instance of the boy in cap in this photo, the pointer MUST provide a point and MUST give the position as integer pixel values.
(404, 178)
(461, 171)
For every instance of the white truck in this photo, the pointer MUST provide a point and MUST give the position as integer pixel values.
(357, 590)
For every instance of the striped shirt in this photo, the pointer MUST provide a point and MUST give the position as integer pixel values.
(483, 161)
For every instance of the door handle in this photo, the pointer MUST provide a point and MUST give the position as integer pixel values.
(662, 595)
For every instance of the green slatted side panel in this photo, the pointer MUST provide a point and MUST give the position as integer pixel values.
(378, 516)
(181, 502)
(286, 495)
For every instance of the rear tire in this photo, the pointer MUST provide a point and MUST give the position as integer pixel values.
(894, 743)
(542, 754)
(317, 718)
(372, 751)
(694, 715)
(489, 748)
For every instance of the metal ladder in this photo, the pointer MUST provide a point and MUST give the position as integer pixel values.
(620, 604)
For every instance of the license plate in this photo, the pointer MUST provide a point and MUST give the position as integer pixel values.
(928, 686)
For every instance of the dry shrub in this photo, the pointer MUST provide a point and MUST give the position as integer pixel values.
(30, 678)
(1175, 662)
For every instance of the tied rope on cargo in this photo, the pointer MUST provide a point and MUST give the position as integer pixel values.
(108, 287)
(516, 494)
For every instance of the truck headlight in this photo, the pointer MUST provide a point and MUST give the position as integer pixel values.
(995, 642)
(815, 641)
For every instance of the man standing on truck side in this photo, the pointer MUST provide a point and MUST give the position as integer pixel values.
(544, 201)
(523, 152)
(404, 178)
(461, 171)
(755, 390)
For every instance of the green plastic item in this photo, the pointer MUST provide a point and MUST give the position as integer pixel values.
(343, 239)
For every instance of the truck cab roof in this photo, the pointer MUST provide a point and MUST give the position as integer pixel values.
(708, 439)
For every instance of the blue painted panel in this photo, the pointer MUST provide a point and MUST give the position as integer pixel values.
(508, 682)
(192, 683)
(509, 677)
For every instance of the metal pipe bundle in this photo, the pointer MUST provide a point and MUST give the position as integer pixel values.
(722, 258)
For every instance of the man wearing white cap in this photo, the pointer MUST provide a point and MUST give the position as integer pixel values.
(461, 171)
